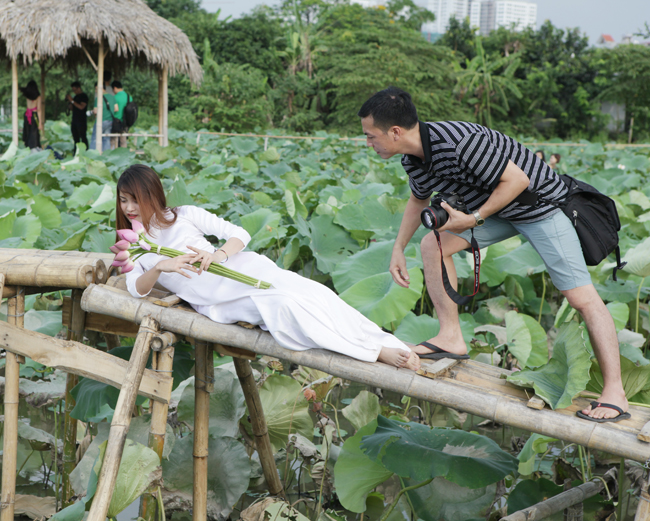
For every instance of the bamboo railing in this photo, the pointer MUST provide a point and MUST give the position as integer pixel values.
(476, 388)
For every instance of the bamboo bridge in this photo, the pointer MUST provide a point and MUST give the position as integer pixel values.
(102, 304)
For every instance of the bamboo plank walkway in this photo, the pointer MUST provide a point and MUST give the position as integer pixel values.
(470, 386)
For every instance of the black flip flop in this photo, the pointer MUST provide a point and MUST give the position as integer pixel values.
(437, 353)
(621, 415)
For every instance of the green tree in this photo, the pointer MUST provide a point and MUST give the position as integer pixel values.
(459, 38)
(486, 82)
(175, 8)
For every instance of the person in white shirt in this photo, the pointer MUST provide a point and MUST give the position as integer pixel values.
(299, 312)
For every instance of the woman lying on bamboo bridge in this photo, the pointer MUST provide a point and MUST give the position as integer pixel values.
(299, 312)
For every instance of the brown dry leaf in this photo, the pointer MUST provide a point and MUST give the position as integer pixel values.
(255, 512)
(35, 507)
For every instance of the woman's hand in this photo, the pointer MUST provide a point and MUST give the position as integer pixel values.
(207, 258)
(180, 264)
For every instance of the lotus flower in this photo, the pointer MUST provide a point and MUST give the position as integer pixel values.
(120, 263)
(128, 266)
(114, 249)
(138, 227)
(144, 245)
(122, 255)
(128, 235)
(122, 245)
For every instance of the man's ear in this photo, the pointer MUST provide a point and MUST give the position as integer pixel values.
(396, 132)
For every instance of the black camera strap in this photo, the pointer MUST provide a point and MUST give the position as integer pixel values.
(453, 294)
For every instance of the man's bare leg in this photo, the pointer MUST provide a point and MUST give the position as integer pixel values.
(602, 333)
(450, 337)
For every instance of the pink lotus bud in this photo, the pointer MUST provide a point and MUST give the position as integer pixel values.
(138, 227)
(122, 255)
(122, 245)
(128, 267)
(144, 245)
(114, 249)
(120, 263)
(128, 235)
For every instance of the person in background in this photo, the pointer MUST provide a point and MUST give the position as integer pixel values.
(107, 120)
(555, 159)
(79, 124)
(31, 135)
(121, 99)
(540, 154)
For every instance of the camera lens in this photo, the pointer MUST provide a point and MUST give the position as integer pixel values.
(434, 217)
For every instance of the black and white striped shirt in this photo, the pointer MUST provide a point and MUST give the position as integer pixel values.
(469, 159)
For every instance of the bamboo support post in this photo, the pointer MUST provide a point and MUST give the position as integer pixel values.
(41, 108)
(258, 423)
(203, 385)
(15, 316)
(643, 509)
(75, 333)
(563, 500)
(122, 420)
(163, 107)
(163, 362)
(100, 95)
(476, 388)
(14, 102)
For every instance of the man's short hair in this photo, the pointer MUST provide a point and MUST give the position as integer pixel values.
(75, 84)
(390, 107)
(116, 84)
(107, 76)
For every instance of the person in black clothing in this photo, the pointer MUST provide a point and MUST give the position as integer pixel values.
(31, 136)
(79, 124)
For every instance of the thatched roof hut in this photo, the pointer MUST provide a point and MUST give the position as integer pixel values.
(114, 34)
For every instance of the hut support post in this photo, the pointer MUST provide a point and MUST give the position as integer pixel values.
(258, 423)
(75, 332)
(14, 102)
(163, 362)
(122, 419)
(203, 385)
(643, 510)
(100, 95)
(163, 107)
(41, 108)
(15, 316)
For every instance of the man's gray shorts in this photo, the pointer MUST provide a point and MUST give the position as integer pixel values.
(554, 238)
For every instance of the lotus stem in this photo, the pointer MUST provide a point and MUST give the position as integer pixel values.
(638, 301)
(541, 305)
(392, 506)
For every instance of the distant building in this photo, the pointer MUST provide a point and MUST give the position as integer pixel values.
(444, 11)
(606, 40)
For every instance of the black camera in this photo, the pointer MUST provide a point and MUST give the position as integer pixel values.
(435, 216)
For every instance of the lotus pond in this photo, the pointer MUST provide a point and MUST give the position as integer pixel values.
(330, 209)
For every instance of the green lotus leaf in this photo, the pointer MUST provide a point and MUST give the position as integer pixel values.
(635, 378)
(264, 226)
(46, 211)
(178, 195)
(46, 322)
(526, 339)
(530, 492)
(523, 261)
(565, 375)
(28, 227)
(444, 500)
(355, 474)
(536, 444)
(380, 299)
(415, 328)
(419, 452)
(638, 259)
(285, 409)
(363, 409)
(620, 313)
(84, 196)
(330, 243)
(244, 145)
(226, 404)
(229, 471)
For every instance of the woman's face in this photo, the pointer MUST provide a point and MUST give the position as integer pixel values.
(130, 207)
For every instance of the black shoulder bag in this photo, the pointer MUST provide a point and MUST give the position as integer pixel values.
(117, 125)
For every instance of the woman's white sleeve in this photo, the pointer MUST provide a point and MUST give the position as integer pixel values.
(131, 277)
(210, 224)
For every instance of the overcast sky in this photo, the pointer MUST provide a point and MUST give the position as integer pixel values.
(594, 17)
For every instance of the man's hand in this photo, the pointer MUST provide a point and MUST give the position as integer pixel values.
(398, 268)
(458, 221)
(68, 97)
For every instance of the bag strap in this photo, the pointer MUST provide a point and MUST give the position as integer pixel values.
(619, 265)
(453, 294)
(109, 109)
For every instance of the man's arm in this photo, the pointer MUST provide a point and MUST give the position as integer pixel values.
(512, 182)
(410, 223)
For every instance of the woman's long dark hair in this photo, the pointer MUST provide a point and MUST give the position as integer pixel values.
(30, 91)
(143, 184)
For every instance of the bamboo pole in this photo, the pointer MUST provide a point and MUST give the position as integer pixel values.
(258, 423)
(41, 108)
(165, 111)
(563, 500)
(52, 271)
(161, 139)
(15, 316)
(14, 102)
(643, 509)
(75, 333)
(163, 362)
(122, 420)
(106, 257)
(80, 359)
(100, 94)
(204, 366)
(494, 404)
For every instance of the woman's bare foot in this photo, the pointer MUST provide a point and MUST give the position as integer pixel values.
(413, 362)
(395, 357)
